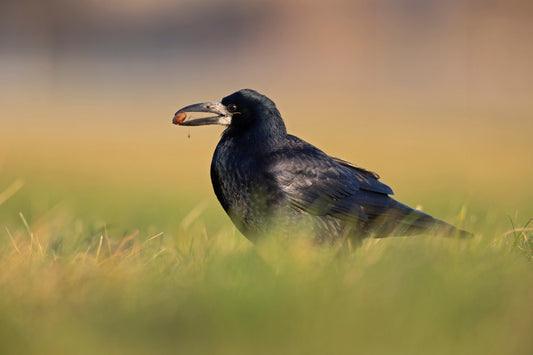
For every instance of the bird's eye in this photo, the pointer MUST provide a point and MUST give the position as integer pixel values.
(232, 107)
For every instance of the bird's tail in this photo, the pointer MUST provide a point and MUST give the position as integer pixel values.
(402, 220)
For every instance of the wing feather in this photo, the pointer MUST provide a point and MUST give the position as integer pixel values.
(316, 183)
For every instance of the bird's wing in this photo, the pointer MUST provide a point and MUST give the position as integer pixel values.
(315, 183)
(369, 179)
(356, 167)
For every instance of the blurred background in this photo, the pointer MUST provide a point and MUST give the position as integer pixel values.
(111, 238)
(435, 95)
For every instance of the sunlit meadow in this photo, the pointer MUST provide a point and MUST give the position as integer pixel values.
(111, 238)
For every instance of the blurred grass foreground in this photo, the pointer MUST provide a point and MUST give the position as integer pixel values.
(111, 239)
(183, 281)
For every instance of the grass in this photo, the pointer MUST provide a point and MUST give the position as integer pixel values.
(190, 291)
(104, 252)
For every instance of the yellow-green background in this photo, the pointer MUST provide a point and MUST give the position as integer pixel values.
(436, 96)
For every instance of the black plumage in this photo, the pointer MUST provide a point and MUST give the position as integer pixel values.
(269, 180)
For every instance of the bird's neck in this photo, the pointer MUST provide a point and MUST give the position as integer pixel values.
(262, 135)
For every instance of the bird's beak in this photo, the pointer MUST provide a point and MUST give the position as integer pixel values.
(223, 116)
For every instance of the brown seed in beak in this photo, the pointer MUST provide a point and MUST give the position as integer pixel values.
(179, 117)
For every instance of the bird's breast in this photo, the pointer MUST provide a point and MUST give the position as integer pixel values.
(243, 187)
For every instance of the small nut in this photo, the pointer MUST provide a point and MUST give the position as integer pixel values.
(179, 117)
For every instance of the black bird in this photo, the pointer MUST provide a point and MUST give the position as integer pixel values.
(265, 178)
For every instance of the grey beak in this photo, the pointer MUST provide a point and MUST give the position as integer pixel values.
(223, 116)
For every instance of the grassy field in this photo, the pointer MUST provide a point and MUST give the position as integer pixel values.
(111, 238)
(114, 243)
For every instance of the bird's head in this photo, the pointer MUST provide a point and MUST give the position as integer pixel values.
(241, 111)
